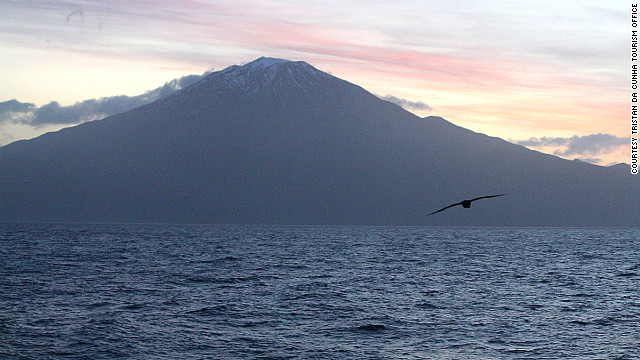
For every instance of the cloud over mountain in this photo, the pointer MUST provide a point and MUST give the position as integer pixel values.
(14, 111)
(584, 147)
(14, 106)
(407, 104)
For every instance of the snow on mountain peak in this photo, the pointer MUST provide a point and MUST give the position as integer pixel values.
(265, 74)
(265, 62)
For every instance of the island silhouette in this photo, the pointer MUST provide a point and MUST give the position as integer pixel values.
(281, 142)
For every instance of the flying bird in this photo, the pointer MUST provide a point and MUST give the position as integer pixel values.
(465, 203)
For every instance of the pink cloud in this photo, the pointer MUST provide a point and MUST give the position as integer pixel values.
(475, 84)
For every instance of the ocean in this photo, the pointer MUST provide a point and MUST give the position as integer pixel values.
(87, 291)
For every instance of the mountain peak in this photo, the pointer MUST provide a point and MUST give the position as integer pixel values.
(265, 73)
(256, 66)
(264, 62)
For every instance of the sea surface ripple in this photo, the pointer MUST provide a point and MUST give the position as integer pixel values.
(77, 291)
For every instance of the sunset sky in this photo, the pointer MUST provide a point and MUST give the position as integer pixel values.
(552, 75)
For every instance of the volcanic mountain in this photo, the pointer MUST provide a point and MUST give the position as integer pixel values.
(280, 142)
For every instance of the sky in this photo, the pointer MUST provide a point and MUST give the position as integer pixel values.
(550, 75)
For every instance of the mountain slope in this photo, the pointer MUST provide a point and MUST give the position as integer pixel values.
(276, 141)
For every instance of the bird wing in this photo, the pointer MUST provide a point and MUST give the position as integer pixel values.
(445, 208)
(486, 197)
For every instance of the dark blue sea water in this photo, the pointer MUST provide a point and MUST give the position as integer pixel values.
(233, 292)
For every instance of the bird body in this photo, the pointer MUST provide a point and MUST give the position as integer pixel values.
(465, 203)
